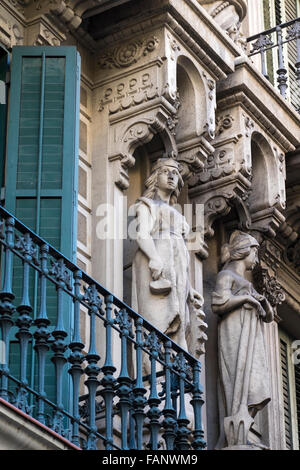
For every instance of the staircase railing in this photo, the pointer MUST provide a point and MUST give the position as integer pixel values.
(115, 402)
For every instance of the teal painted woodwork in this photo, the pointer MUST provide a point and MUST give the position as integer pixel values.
(4, 61)
(42, 169)
(42, 150)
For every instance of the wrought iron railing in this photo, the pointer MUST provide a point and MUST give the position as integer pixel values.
(115, 403)
(284, 62)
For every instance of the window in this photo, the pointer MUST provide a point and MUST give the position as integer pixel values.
(41, 176)
(278, 12)
(4, 60)
(290, 384)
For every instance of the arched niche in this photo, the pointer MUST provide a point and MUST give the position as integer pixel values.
(265, 184)
(144, 155)
(192, 95)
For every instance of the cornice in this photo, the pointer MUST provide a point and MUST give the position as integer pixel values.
(257, 114)
(171, 14)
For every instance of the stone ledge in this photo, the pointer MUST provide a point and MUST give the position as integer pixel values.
(19, 431)
(264, 97)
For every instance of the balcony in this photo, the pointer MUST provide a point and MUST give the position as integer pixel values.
(143, 392)
(279, 50)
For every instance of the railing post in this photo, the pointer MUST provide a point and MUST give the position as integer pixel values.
(139, 390)
(59, 346)
(197, 402)
(42, 334)
(154, 401)
(92, 370)
(26, 247)
(6, 306)
(124, 381)
(182, 442)
(108, 381)
(76, 358)
(169, 413)
(281, 72)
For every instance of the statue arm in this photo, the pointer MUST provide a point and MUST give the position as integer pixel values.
(224, 301)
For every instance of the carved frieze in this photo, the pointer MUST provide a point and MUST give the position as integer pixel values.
(223, 123)
(128, 54)
(127, 93)
(11, 32)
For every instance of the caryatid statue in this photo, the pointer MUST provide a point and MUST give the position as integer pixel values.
(161, 288)
(243, 374)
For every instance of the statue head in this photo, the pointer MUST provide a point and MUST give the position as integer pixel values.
(241, 246)
(166, 175)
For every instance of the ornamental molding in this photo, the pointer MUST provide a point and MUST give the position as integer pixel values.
(228, 15)
(257, 116)
(223, 123)
(133, 135)
(11, 32)
(126, 55)
(165, 19)
(268, 285)
(128, 92)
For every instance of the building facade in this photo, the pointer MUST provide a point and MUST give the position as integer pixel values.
(92, 94)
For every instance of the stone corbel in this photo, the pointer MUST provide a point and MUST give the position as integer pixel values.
(219, 188)
(267, 221)
(193, 156)
(210, 124)
(42, 33)
(220, 205)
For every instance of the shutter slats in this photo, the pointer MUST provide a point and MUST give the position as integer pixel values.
(42, 164)
(297, 382)
(286, 394)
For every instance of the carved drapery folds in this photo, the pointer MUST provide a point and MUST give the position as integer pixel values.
(243, 374)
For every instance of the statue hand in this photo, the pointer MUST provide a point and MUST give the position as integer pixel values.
(255, 303)
(196, 298)
(156, 268)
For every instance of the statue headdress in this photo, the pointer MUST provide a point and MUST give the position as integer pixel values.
(238, 246)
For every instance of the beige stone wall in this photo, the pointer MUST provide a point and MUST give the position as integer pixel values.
(232, 131)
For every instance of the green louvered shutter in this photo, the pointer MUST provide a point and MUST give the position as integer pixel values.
(42, 170)
(286, 393)
(290, 14)
(268, 25)
(42, 155)
(3, 109)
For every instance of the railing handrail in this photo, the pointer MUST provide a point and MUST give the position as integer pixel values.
(137, 371)
(89, 280)
(273, 30)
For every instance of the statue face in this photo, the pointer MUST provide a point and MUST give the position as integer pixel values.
(168, 178)
(252, 259)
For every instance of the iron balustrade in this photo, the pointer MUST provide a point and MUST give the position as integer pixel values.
(115, 403)
(288, 64)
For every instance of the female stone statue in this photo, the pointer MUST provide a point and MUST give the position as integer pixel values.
(161, 290)
(243, 375)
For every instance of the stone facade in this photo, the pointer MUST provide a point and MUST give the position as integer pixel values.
(174, 78)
